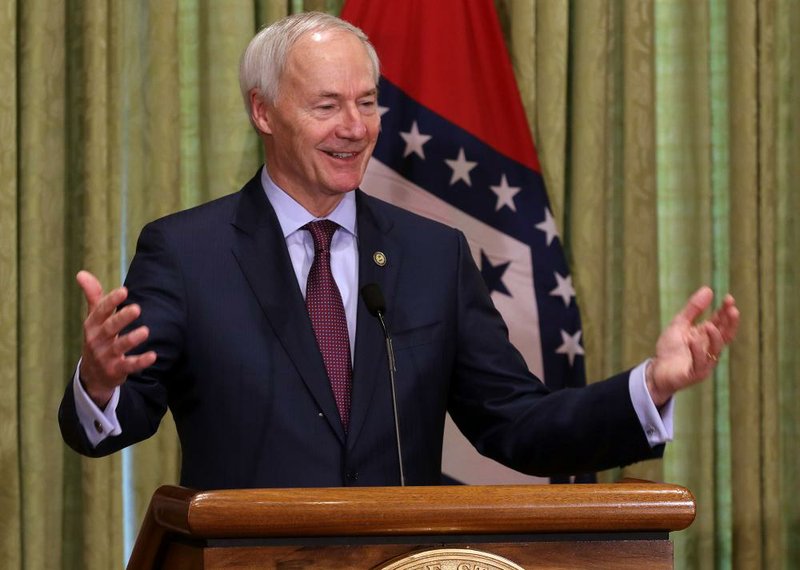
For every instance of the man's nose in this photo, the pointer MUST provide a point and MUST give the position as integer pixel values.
(352, 125)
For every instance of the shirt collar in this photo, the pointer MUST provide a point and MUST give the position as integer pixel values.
(292, 216)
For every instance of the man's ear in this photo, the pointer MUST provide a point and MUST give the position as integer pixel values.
(259, 112)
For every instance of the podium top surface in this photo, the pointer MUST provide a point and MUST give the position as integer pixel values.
(630, 506)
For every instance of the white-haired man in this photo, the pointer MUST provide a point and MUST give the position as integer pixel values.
(243, 317)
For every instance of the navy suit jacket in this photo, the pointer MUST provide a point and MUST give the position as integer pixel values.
(239, 367)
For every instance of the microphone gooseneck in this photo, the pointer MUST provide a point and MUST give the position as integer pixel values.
(376, 305)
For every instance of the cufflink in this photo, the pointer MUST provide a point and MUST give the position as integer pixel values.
(98, 426)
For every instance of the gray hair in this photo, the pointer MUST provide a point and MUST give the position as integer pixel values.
(265, 58)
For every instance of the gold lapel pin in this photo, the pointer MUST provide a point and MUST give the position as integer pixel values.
(379, 258)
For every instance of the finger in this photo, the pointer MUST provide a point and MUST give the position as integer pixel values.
(715, 341)
(109, 370)
(92, 289)
(697, 304)
(128, 342)
(132, 364)
(106, 307)
(727, 325)
(107, 352)
(698, 346)
(732, 325)
(726, 319)
(118, 321)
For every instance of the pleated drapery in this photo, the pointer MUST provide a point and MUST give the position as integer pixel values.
(669, 137)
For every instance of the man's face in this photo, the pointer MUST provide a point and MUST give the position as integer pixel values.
(324, 124)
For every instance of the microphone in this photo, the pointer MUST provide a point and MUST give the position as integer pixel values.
(376, 305)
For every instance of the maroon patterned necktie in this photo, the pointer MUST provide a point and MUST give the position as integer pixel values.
(328, 320)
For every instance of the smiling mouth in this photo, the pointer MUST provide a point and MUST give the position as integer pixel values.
(342, 155)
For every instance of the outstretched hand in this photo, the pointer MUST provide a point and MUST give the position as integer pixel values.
(687, 352)
(104, 361)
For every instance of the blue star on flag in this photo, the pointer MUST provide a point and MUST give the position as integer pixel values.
(493, 275)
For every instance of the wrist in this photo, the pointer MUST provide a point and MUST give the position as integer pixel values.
(101, 397)
(659, 396)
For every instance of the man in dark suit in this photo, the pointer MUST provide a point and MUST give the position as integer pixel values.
(240, 315)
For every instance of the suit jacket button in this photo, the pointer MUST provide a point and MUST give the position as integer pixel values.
(98, 426)
(352, 475)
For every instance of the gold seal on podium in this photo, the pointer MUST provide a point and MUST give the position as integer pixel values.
(451, 559)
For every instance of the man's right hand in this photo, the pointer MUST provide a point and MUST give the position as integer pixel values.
(104, 363)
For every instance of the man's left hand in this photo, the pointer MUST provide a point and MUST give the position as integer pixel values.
(687, 352)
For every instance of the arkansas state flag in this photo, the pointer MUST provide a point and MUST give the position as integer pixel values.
(455, 146)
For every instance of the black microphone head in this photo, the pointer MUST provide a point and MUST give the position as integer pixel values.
(373, 299)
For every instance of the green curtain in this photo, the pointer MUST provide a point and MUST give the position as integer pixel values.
(586, 76)
(113, 113)
(669, 142)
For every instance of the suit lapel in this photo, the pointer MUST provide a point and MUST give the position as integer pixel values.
(370, 362)
(260, 250)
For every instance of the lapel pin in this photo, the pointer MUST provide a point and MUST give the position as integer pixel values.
(379, 258)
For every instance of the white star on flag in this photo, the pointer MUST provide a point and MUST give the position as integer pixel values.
(564, 289)
(548, 226)
(382, 110)
(505, 194)
(414, 141)
(461, 168)
(571, 345)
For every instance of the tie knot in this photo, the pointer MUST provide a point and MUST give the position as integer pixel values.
(322, 232)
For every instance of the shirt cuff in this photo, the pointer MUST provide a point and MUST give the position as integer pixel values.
(97, 424)
(656, 423)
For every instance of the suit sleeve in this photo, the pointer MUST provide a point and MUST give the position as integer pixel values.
(154, 282)
(512, 417)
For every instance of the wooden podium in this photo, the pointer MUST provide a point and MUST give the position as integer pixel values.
(623, 525)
